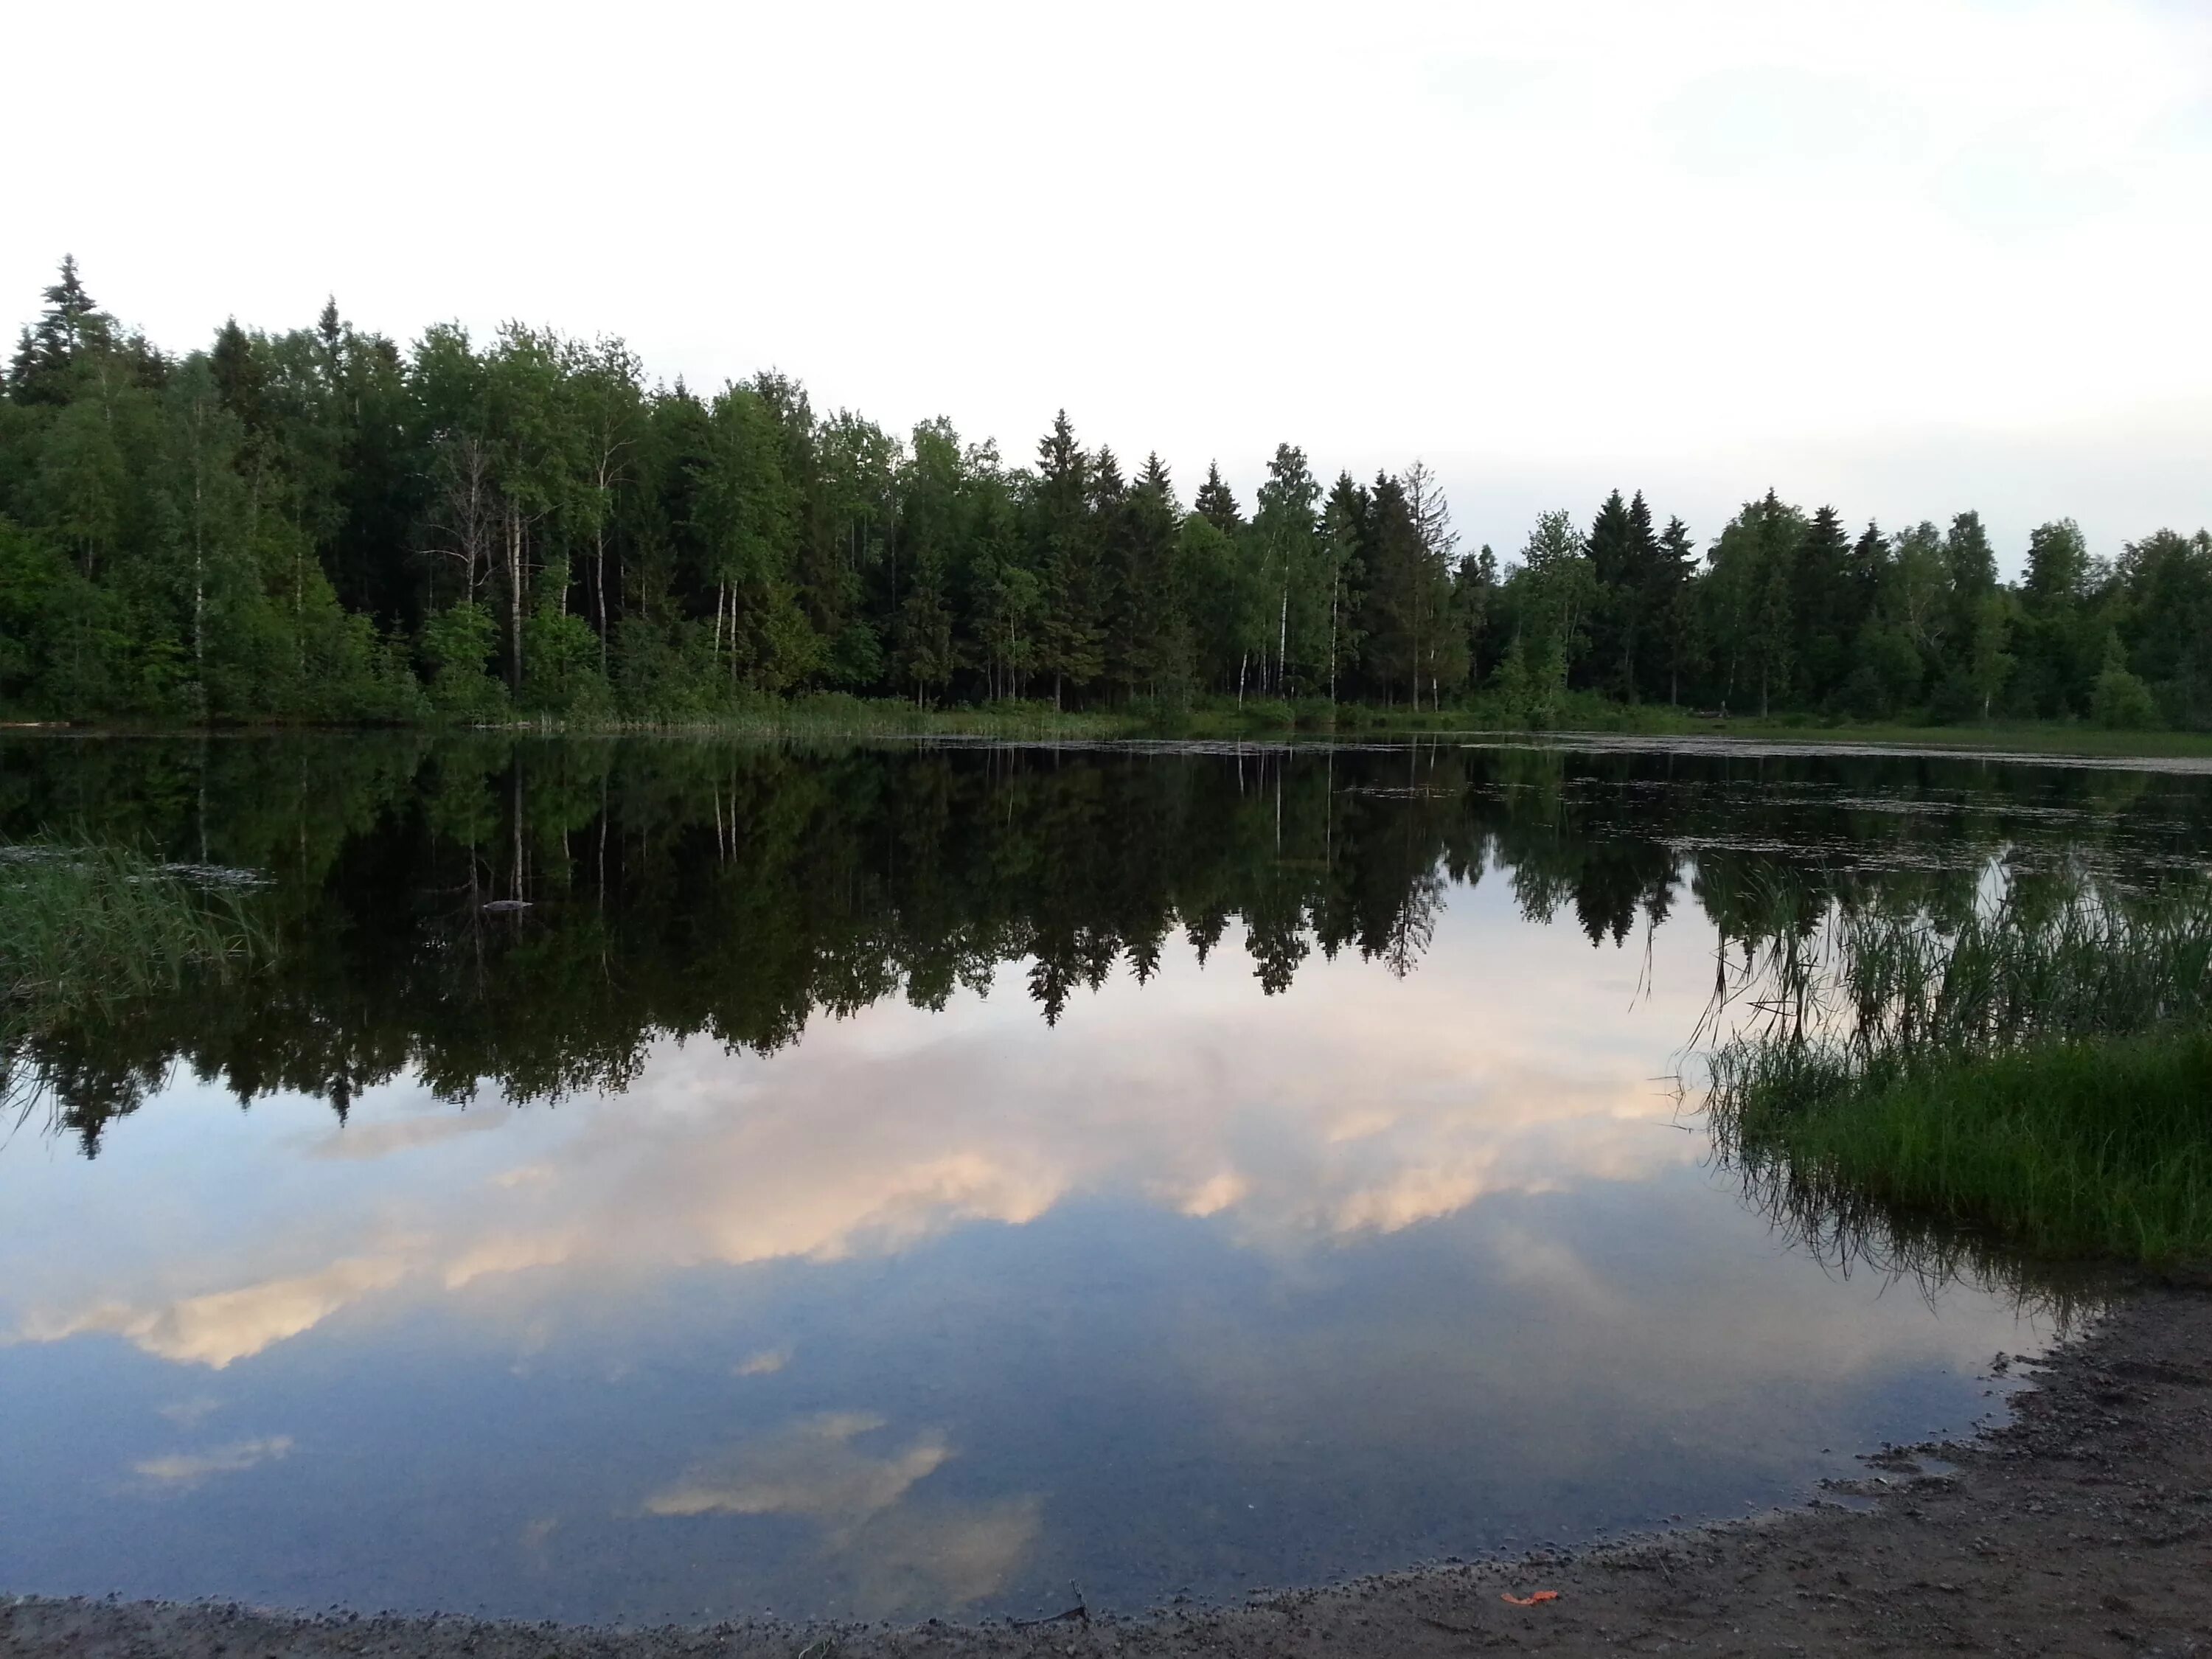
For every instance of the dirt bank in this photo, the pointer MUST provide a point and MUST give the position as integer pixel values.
(2083, 1527)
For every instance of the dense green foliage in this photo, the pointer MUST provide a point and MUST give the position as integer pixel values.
(320, 525)
(2041, 1071)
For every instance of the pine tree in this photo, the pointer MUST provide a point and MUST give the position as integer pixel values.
(1149, 643)
(1624, 555)
(1216, 503)
(70, 325)
(1672, 605)
(1819, 606)
(1866, 577)
(1067, 558)
(1613, 614)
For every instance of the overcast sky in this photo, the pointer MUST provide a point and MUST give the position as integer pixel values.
(1906, 255)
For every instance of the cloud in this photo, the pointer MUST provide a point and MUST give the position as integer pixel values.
(190, 1469)
(766, 1363)
(2015, 186)
(1779, 119)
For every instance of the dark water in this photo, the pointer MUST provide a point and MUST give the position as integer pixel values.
(902, 1181)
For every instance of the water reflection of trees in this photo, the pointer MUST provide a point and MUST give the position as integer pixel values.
(734, 893)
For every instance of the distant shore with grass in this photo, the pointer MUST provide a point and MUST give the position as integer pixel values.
(831, 714)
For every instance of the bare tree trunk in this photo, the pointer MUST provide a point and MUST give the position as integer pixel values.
(514, 598)
(599, 589)
(1332, 644)
(199, 586)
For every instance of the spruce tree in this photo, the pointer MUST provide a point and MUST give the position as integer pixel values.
(1867, 574)
(70, 325)
(1612, 613)
(1819, 606)
(1673, 603)
(1395, 598)
(1148, 644)
(1216, 503)
(1650, 594)
(1066, 556)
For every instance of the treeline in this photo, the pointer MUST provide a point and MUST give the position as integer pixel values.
(735, 893)
(320, 525)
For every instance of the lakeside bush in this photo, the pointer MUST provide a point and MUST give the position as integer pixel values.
(2063, 1149)
(2039, 1072)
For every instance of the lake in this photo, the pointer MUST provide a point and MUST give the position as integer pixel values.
(666, 1180)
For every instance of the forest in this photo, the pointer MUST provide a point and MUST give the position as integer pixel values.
(326, 526)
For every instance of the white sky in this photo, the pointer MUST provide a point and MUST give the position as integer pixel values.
(1908, 256)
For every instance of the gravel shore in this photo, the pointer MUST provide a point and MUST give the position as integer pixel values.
(2082, 1526)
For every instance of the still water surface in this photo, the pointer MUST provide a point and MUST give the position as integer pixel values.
(902, 1181)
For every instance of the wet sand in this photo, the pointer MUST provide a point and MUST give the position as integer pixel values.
(2082, 1526)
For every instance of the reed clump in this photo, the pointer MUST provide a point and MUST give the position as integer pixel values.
(86, 929)
(2038, 1072)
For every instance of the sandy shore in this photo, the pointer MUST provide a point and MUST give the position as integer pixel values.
(2084, 1527)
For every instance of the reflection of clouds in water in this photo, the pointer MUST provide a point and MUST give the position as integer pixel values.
(1209, 1197)
(190, 1469)
(226, 1325)
(895, 1557)
(1409, 1101)
(537, 1534)
(904, 1562)
(1580, 1349)
(812, 1468)
(512, 1253)
(363, 1141)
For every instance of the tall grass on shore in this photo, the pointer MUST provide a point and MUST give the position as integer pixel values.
(85, 929)
(2039, 1073)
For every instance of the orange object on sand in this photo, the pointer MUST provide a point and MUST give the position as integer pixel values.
(1531, 1600)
